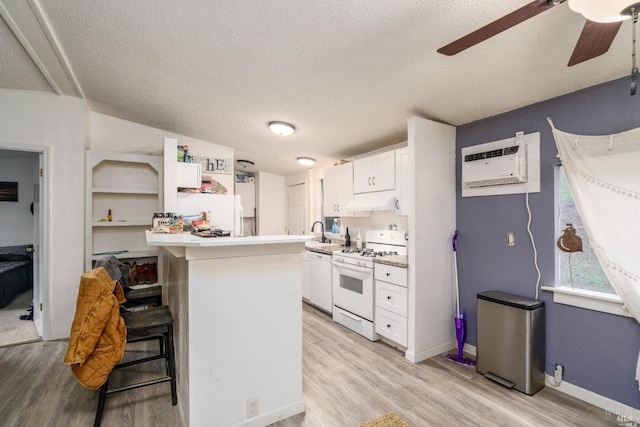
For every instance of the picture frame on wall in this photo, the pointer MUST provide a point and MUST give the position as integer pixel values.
(8, 191)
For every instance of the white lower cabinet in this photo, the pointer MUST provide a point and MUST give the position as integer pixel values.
(391, 303)
(305, 275)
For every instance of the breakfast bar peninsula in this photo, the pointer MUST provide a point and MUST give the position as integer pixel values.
(236, 303)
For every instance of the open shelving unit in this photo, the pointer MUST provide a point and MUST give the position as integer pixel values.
(131, 186)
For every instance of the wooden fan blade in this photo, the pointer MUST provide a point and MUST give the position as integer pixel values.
(496, 27)
(595, 39)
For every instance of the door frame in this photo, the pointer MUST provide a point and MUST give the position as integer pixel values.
(40, 308)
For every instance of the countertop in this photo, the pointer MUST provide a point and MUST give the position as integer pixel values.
(394, 260)
(401, 261)
(187, 239)
(322, 249)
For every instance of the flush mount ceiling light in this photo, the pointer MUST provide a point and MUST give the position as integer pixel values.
(604, 11)
(244, 163)
(306, 161)
(282, 128)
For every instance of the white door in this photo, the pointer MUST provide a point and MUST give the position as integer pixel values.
(296, 212)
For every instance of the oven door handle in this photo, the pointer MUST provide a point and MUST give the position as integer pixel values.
(353, 268)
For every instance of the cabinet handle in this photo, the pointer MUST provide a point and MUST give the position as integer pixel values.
(369, 181)
(388, 325)
(388, 297)
(397, 204)
(338, 205)
(373, 180)
(388, 274)
(335, 208)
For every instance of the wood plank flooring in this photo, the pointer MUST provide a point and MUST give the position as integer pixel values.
(347, 380)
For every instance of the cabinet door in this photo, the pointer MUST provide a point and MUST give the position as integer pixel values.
(338, 189)
(375, 173)
(402, 181)
(305, 275)
(331, 191)
(345, 188)
(189, 175)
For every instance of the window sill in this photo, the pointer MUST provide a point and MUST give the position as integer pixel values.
(591, 300)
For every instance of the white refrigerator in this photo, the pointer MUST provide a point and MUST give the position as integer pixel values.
(226, 210)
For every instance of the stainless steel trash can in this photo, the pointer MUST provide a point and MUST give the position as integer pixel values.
(511, 340)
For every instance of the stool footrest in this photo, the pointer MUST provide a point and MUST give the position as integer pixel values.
(135, 362)
(138, 385)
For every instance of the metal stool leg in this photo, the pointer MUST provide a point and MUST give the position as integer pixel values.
(172, 365)
(102, 398)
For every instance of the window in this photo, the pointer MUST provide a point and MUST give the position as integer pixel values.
(583, 266)
(592, 289)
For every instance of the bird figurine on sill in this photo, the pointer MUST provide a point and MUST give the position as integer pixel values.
(570, 242)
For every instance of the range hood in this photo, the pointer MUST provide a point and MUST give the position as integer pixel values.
(372, 202)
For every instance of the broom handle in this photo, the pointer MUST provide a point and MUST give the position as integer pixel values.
(454, 243)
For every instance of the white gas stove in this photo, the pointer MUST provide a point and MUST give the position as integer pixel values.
(353, 284)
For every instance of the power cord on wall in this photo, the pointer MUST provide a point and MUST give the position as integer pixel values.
(520, 141)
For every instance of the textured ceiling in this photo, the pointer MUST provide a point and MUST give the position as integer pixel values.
(347, 73)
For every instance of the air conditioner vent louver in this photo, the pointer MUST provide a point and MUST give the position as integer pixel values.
(495, 167)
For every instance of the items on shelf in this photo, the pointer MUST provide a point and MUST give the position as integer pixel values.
(109, 217)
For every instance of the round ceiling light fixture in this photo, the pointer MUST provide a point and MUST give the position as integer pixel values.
(306, 161)
(282, 128)
(244, 163)
(604, 11)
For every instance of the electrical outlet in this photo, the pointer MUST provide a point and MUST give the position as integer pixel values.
(252, 408)
(559, 372)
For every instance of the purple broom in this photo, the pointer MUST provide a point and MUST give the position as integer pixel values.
(461, 322)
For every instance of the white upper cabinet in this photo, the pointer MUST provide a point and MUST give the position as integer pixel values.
(375, 173)
(402, 181)
(338, 189)
(189, 175)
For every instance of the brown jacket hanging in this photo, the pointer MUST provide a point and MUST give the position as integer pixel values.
(98, 335)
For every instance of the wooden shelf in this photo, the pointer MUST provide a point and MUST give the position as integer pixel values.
(137, 223)
(130, 254)
(125, 191)
(130, 186)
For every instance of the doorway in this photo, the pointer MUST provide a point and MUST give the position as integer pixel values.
(23, 242)
(296, 209)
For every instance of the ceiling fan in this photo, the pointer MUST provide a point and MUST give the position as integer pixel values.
(604, 18)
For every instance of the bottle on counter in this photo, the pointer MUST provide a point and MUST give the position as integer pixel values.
(347, 239)
(334, 227)
(109, 217)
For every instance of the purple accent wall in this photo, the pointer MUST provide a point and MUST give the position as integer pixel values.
(599, 351)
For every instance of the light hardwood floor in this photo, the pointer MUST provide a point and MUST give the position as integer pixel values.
(347, 380)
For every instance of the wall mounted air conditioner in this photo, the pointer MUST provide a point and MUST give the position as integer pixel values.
(507, 166)
(502, 166)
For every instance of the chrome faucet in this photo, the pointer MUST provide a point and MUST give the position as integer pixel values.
(324, 239)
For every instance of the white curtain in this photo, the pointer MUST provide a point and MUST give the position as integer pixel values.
(604, 176)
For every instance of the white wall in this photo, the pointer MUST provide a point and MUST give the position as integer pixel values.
(16, 217)
(48, 120)
(113, 134)
(432, 222)
(270, 203)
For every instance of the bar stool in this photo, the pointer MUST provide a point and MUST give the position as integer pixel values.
(143, 296)
(153, 324)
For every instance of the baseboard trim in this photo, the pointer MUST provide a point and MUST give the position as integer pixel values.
(274, 416)
(624, 412)
(429, 353)
(470, 349)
